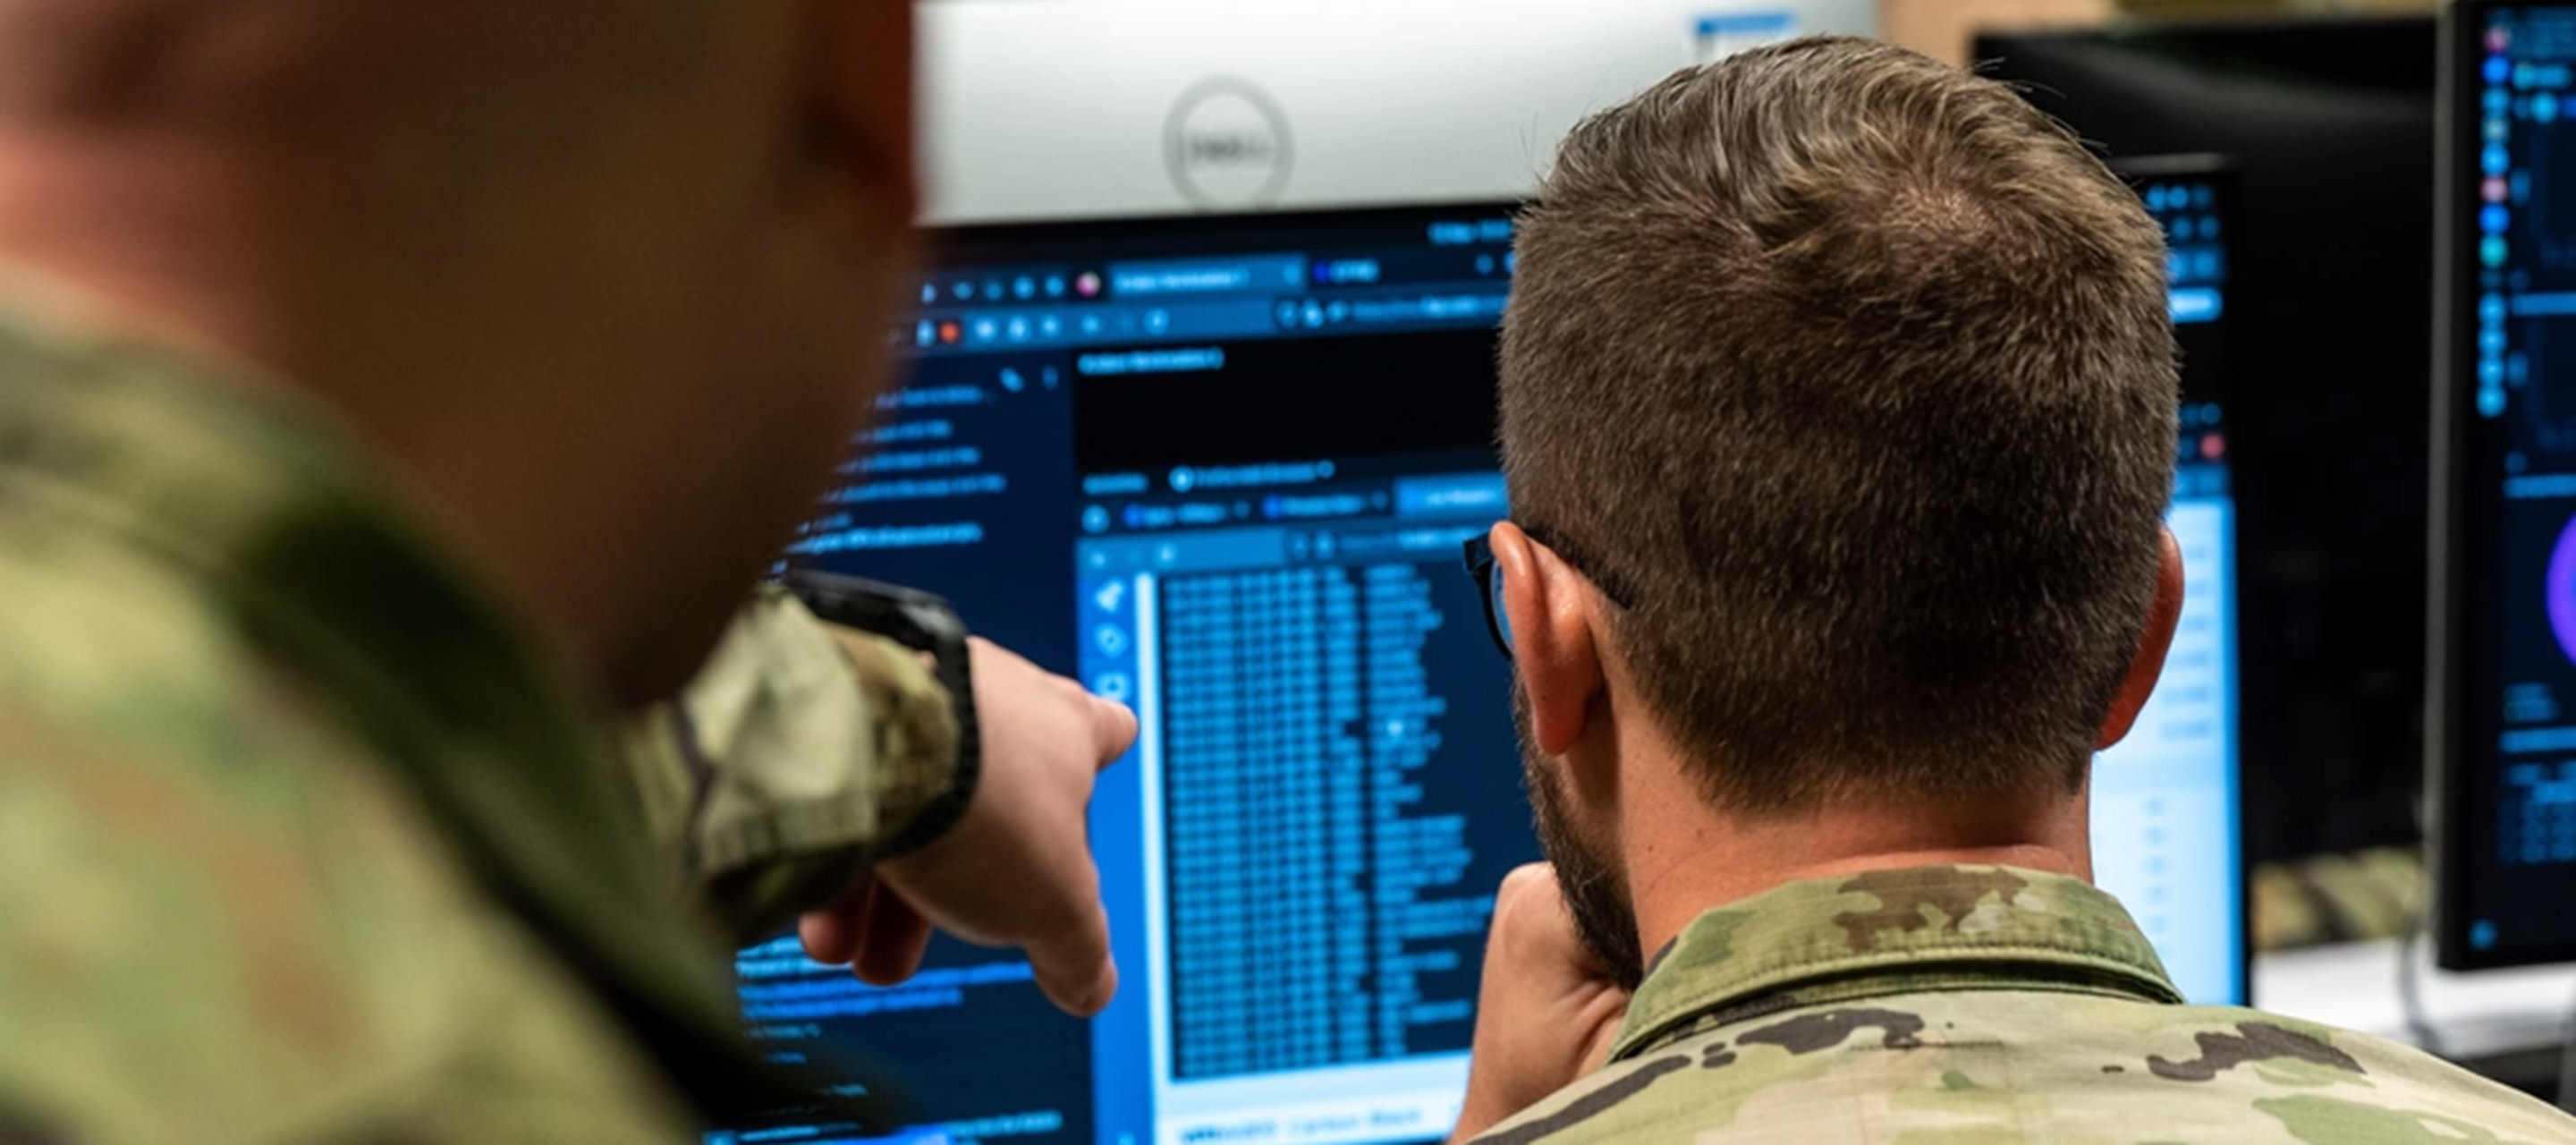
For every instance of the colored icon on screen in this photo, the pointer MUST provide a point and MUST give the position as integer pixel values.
(2562, 590)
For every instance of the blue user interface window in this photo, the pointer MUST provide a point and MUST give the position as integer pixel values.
(1220, 469)
(2508, 823)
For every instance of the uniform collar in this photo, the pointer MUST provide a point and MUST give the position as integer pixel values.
(1889, 932)
(258, 499)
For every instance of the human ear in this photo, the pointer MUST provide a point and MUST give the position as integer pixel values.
(1554, 647)
(2149, 662)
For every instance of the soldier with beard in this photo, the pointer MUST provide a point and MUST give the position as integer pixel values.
(1839, 406)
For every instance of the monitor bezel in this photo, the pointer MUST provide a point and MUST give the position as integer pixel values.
(2452, 756)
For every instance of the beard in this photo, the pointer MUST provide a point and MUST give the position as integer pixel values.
(1595, 888)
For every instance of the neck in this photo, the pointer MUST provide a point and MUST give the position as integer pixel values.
(1684, 857)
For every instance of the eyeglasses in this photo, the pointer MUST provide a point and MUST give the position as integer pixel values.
(1489, 580)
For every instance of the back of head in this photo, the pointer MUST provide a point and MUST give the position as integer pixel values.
(1850, 375)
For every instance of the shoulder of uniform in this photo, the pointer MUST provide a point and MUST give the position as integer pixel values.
(210, 898)
(1986, 1065)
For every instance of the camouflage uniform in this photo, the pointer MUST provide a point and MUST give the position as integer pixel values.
(301, 840)
(1964, 1004)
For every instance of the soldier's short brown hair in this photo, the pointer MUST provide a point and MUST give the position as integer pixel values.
(1854, 374)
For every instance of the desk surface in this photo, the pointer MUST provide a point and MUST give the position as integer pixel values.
(2478, 1015)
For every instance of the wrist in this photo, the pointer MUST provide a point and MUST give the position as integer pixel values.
(932, 765)
(910, 652)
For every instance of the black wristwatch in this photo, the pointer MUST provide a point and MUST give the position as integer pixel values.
(924, 623)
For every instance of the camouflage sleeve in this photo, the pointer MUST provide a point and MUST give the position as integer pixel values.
(797, 754)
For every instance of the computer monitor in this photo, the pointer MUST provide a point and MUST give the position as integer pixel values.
(1220, 468)
(2328, 124)
(2167, 813)
(2503, 691)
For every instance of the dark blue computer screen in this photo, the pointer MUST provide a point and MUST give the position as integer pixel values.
(1220, 470)
(2508, 824)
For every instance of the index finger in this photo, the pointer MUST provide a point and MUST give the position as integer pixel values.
(1113, 729)
(1073, 965)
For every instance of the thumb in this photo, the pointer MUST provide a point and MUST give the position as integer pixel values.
(1073, 966)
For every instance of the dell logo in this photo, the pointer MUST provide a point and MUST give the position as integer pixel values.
(1227, 145)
